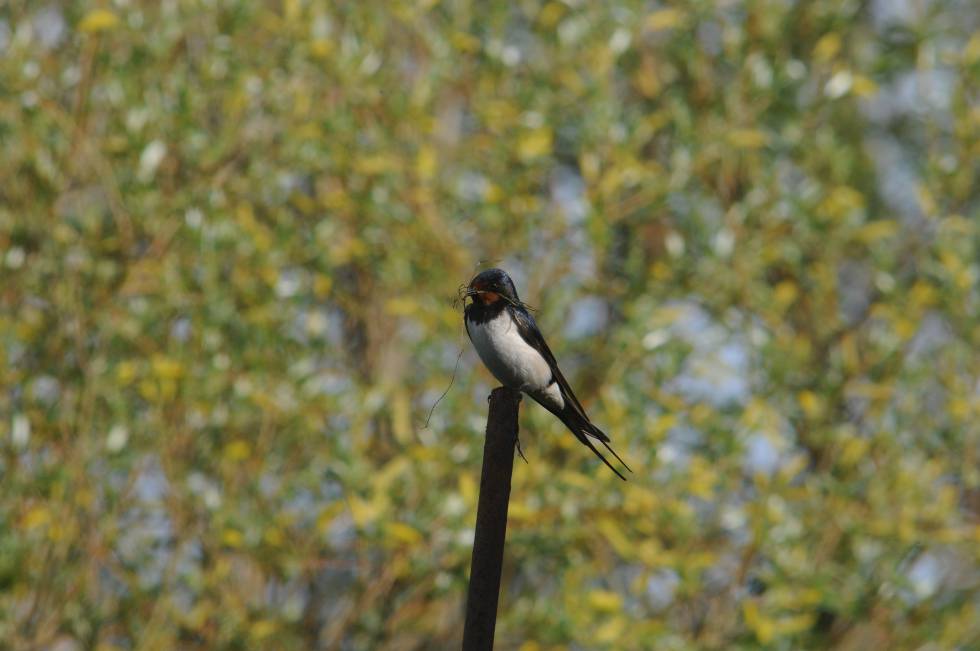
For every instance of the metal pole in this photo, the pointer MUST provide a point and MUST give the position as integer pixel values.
(491, 520)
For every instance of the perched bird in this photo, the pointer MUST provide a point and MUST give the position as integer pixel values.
(512, 348)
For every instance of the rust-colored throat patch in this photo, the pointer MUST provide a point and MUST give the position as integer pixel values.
(485, 296)
(488, 297)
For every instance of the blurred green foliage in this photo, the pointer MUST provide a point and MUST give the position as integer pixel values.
(230, 236)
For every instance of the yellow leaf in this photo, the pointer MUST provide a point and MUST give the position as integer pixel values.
(245, 216)
(109, 646)
(321, 285)
(302, 203)
(612, 631)
(958, 408)
(905, 328)
(402, 533)
(863, 86)
(125, 372)
(468, 489)
(425, 162)
(37, 516)
(762, 626)
(808, 597)
(85, 497)
(465, 42)
(650, 553)
(701, 478)
(401, 418)
(237, 450)
(373, 165)
(793, 467)
(148, 390)
(827, 47)
(549, 17)
(785, 293)
(841, 201)
(922, 295)
(273, 536)
(663, 423)
(166, 368)
(748, 138)
(492, 193)
(640, 499)
(292, 9)
(605, 601)
(520, 512)
(232, 538)
(971, 53)
(534, 143)
(793, 624)
(663, 19)
(262, 629)
(877, 230)
(363, 511)
(927, 201)
(321, 48)
(98, 20)
(398, 466)
(614, 534)
(853, 450)
(327, 515)
(402, 306)
(810, 403)
(589, 163)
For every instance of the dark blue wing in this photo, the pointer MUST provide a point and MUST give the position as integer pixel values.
(530, 333)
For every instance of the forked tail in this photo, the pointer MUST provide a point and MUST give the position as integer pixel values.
(583, 430)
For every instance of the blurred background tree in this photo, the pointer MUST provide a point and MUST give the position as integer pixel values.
(230, 236)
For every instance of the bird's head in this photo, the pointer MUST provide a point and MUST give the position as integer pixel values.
(491, 286)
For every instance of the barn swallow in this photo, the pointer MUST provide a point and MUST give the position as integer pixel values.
(512, 348)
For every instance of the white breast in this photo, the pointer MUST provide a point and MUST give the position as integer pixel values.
(505, 353)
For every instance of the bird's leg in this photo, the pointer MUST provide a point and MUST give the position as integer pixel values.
(517, 439)
(517, 444)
